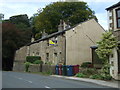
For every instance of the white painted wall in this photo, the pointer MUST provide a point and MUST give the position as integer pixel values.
(114, 67)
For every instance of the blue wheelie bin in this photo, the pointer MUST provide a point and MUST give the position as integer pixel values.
(70, 70)
(64, 70)
(57, 70)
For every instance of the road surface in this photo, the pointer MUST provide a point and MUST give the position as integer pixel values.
(27, 80)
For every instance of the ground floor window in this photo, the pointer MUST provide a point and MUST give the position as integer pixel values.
(47, 56)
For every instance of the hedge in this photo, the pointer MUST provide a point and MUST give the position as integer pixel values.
(32, 59)
(38, 62)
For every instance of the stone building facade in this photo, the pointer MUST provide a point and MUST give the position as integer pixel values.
(21, 54)
(114, 25)
(72, 44)
(54, 54)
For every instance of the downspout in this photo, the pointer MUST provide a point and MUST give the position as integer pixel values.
(65, 48)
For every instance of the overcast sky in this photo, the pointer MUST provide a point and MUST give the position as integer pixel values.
(15, 7)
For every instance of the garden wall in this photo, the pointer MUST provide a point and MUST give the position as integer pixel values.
(20, 67)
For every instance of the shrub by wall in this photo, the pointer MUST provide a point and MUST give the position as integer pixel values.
(38, 62)
(86, 65)
(32, 59)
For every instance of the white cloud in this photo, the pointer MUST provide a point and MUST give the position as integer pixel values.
(57, 0)
(29, 7)
(100, 0)
(12, 8)
(29, 1)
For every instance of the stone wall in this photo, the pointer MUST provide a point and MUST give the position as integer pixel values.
(117, 34)
(48, 68)
(20, 67)
(56, 53)
(21, 54)
(42, 48)
(34, 68)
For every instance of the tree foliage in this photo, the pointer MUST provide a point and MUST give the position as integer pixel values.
(21, 21)
(12, 39)
(72, 12)
(105, 46)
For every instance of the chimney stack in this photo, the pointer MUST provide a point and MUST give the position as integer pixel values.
(62, 26)
(32, 39)
(44, 34)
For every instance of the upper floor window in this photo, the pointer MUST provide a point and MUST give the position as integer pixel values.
(47, 56)
(118, 17)
(47, 42)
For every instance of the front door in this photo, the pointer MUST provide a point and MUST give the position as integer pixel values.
(97, 63)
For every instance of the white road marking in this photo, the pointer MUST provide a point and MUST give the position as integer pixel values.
(30, 81)
(24, 79)
(47, 87)
(20, 78)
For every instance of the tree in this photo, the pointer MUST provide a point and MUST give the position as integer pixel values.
(9, 38)
(105, 46)
(72, 12)
(32, 19)
(21, 21)
(12, 39)
(32, 24)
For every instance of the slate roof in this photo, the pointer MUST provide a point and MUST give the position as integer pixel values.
(113, 6)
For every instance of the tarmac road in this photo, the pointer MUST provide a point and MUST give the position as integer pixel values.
(27, 80)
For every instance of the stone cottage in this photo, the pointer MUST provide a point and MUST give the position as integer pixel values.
(72, 44)
(114, 25)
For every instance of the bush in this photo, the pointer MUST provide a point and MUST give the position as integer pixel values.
(101, 76)
(106, 77)
(80, 75)
(38, 62)
(89, 71)
(31, 59)
(96, 76)
(27, 65)
(106, 69)
(86, 65)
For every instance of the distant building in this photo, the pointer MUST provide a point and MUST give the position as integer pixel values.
(1, 16)
(114, 19)
(114, 25)
(70, 45)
